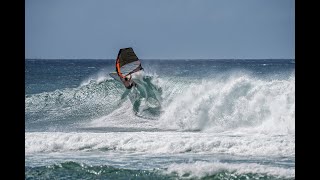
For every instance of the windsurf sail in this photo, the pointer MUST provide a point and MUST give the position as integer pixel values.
(127, 62)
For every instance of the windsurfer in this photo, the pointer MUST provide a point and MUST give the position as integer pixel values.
(128, 83)
(127, 63)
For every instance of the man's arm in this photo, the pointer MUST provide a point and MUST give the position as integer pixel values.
(122, 79)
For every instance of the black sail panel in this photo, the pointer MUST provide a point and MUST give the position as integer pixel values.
(127, 62)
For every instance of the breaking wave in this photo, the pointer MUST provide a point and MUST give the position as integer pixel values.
(233, 102)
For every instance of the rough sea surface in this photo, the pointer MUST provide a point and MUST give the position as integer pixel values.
(186, 119)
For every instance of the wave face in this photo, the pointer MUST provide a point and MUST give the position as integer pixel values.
(187, 119)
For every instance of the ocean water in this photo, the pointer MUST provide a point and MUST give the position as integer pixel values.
(187, 119)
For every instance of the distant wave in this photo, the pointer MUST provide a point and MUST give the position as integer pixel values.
(99, 77)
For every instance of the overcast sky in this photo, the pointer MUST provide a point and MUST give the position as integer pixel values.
(160, 29)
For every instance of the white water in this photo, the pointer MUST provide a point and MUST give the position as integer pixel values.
(162, 142)
(233, 122)
(236, 116)
(188, 154)
(239, 104)
(243, 104)
(202, 169)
